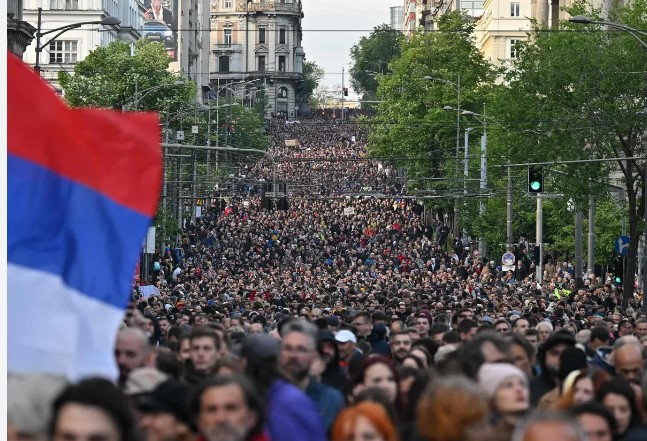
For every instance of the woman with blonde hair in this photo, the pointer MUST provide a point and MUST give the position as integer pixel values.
(580, 387)
(364, 421)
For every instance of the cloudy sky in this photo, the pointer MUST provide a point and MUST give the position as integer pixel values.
(323, 39)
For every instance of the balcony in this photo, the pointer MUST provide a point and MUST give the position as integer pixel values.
(268, 6)
(220, 48)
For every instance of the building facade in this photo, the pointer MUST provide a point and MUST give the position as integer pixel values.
(256, 46)
(503, 24)
(397, 18)
(19, 32)
(75, 44)
(194, 25)
(436, 8)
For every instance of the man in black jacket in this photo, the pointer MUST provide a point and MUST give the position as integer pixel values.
(548, 356)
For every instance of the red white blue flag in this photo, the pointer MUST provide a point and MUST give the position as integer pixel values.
(82, 187)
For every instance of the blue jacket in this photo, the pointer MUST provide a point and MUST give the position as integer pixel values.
(328, 399)
(292, 415)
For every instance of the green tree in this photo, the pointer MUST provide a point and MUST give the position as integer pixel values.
(312, 76)
(110, 77)
(372, 56)
(411, 126)
(578, 94)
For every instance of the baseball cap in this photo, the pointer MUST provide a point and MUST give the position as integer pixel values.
(170, 397)
(344, 336)
(143, 381)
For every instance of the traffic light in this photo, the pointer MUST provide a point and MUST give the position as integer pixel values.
(535, 179)
(618, 271)
(345, 91)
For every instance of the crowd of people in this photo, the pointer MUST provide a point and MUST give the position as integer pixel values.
(321, 156)
(351, 319)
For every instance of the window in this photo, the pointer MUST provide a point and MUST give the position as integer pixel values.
(64, 4)
(227, 36)
(282, 36)
(228, 3)
(223, 63)
(282, 63)
(283, 92)
(513, 48)
(261, 35)
(261, 63)
(63, 51)
(514, 9)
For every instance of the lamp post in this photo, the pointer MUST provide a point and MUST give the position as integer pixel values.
(582, 19)
(457, 87)
(108, 21)
(483, 182)
(139, 95)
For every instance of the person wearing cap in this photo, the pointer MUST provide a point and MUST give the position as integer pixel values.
(165, 415)
(333, 374)
(507, 387)
(347, 345)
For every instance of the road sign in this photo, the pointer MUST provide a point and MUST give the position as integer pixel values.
(507, 261)
(622, 245)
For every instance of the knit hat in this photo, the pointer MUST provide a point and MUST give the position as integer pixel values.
(492, 375)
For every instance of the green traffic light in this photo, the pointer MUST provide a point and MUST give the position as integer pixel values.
(535, 185)
(618, 280)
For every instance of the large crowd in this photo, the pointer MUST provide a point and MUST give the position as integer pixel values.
(350, 318)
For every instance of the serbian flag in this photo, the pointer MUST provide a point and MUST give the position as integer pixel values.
(82, 188)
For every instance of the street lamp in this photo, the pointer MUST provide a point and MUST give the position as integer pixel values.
(457, 87)
(483, 181)
(139, 95)
(108, 21)
(582, 19)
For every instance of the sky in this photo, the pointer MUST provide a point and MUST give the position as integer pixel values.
(323, 41)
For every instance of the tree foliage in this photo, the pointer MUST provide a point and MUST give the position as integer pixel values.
(112, 77)
(372, 55)
(312, 76)
(411, 126)
(578, 94)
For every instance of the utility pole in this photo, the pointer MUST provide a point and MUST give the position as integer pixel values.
(509, 245)
(644, 259)
(342, 93)
(539, 236)
(591, 245)
(579, 283)
(483, 185)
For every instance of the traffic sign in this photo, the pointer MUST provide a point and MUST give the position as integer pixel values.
(507, 261)
(622, 245)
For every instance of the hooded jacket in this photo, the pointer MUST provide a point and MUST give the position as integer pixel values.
(544, 383)
(378, 342)
(333, 375)
(601, 359)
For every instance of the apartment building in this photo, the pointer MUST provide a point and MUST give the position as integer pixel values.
(74, 45)
(503, 24)
(396, 17)
(256, 45)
